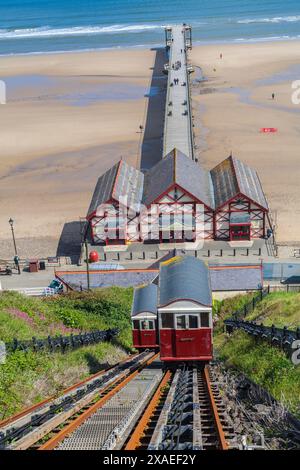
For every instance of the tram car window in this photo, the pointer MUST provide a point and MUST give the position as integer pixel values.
(167, 320)
(147, 325)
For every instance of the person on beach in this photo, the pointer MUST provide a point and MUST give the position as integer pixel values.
(273, 96)
(221, 56)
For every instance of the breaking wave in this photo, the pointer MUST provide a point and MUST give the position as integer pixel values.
(275, 19)
(75, 31)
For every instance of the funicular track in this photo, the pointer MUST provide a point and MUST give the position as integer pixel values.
(186, 412)
(34, 427)
(133, 406)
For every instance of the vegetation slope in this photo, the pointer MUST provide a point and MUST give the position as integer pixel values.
(28, 377)
(265, 365)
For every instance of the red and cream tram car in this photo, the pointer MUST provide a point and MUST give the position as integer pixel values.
(185, 311)
(144, 317)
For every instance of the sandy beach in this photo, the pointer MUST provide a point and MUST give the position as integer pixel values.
(69, 117)
(235, 102)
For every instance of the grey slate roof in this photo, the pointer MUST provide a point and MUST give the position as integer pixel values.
(158, 179)
(176, 167)
(214, 188)
(227, 278)
(144, 299)
(107, 278)
(103, 189)
(232, 177)
(249, 182)
(119, 181)
(239, 278)
(129, 183)
(184, 278)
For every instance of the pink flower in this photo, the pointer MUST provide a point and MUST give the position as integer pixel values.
(22, 315)
(53, 328)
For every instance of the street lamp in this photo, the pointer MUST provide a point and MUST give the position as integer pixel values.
(87, 264)
(16, 258)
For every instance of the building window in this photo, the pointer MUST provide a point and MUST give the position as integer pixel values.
(167, 320)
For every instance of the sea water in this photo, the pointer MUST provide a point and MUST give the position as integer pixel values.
(36, 26)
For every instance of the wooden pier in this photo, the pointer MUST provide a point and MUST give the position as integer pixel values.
(178, 128)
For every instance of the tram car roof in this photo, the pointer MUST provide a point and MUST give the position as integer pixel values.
(184, 278)
(145, 301)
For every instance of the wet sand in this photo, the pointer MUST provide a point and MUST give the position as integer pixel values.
(69, 117)
(235, 102)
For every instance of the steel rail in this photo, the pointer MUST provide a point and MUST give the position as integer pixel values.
(157, 434)
(139, 431)
(37, 406)
(35, 426)
(218, 424)
(189, 417)
(111, 390)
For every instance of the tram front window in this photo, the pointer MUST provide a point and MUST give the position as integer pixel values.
(193, 321)
(147, 325)
(181, 322)
(167, 320)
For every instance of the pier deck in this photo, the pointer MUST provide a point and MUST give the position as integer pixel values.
(178, 131)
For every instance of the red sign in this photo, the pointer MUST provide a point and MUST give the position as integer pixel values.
(266, 130)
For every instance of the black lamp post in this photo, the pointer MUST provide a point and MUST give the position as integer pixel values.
(87, 264)
(16, 259)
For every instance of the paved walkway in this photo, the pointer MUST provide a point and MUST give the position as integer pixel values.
(142, 256)
(26, 279)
